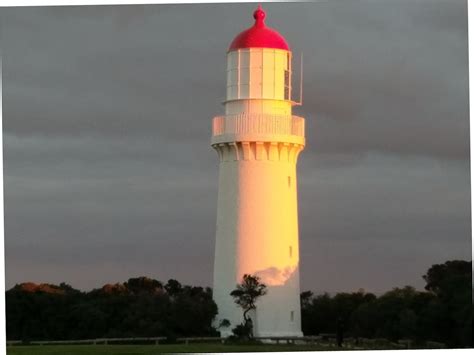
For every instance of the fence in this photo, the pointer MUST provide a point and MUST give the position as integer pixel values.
(157, 340)
(327, 340)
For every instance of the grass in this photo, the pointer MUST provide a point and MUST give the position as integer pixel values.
(154, 349)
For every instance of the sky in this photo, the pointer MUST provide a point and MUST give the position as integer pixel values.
(108, 169)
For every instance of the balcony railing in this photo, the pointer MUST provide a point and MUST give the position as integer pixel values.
(258, 124)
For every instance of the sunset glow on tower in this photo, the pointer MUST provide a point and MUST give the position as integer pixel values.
(258, 141)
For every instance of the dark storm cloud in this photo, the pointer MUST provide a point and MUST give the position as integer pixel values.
(385, 213)
(108, 169)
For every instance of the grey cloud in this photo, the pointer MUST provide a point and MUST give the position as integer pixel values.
(107, 116)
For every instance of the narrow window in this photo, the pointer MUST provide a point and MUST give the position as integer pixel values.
(291, 251)
(292, 316)
(287, 85)
(289, 181)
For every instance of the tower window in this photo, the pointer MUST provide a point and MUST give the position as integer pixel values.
(291, 251)
(289, 181)
(292, 316)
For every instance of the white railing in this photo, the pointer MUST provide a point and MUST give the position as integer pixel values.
(258, 124)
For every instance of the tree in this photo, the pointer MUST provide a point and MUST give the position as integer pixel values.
(246, 295)
(305, 298)
(451, 283)
(143, 284)
(173, 287)
(448, 279)
(224, 323)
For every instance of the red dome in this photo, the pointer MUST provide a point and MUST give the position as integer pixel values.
(259, 36)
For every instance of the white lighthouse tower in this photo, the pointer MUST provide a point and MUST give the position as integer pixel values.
(258, 141)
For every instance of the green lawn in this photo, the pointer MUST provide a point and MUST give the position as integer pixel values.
(153, 349)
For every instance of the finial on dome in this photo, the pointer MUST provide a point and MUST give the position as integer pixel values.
(259, 15)
(259, 35)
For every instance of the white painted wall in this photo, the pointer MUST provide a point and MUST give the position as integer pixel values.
(258, 142)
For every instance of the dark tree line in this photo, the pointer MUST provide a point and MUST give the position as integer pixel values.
(140, 307)
(144, 307)
(442, 313)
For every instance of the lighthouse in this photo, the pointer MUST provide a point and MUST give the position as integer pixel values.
(258, 141)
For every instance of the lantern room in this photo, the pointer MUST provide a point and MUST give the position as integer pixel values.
(259, 68)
